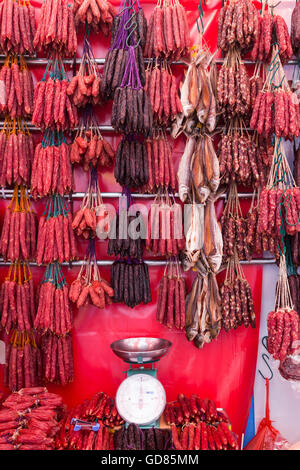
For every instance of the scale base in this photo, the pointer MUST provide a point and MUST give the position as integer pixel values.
(155, 424)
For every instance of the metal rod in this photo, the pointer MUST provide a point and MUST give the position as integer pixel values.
(101, 61)
(151, 263)
(104, 127)
(32, 128)
(8, 193)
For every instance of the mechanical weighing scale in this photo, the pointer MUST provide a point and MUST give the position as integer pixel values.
(141, 398)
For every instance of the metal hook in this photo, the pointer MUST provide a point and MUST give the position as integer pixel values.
(125, 8)
(134, 27)
(200, 11)
(266, 359)
(274, 6)
(131, 24)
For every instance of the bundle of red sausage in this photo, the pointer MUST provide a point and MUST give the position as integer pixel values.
(279, 206)
(56, 241)
(17, 93)
(233, 88)
(237, 25)
(16, 151)
(165, 235)
(18, 238)
(98, 14)
(56, 28)
(162, 90)
(256, 85)
(171, 298)
(204, 427)
(236, 298)
(283, 333)
(89, 287)
(17, 27)
(202, 436)
(270, 26)
(85, 87)
(85, 222)
(160, 164)
(51, 168)
(234, 228)
(52, 105)
(258, 242)
(234, 232)
(57, 358)
(168, 32)
(100, 407)
(53, 312)
(276, 112)
(244, 161)
(97, 293)
(29, 420)
(23, 361)
(17, 299)
(92, 217)
(90, 148)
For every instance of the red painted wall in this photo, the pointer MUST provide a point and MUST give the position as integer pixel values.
(224, 370)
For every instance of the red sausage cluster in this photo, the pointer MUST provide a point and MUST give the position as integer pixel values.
(237, 25)
(162, 90)
(29, 420)
(283, 329)
(276, 112)
(51, 169)
(18, 28)
(160, 164)
(98, 14)
(100, 408)
(18, 238)
(168, 32)
(17, 299)
(90, 148)
(56, 241)
(17, 94)
(52, 105)
(56, 28)
(16, 152)
(277, 207)
(171, 299)
(269, 27)
(89, 287)
(243, 160)
(165, 234)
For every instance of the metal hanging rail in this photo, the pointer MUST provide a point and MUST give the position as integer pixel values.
(151, 263)
(8, 193)
(106, 128)
(101, 61)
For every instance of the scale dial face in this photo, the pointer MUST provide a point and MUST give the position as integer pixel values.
(141, 399)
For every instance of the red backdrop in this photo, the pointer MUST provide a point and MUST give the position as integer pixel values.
(224, 370)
